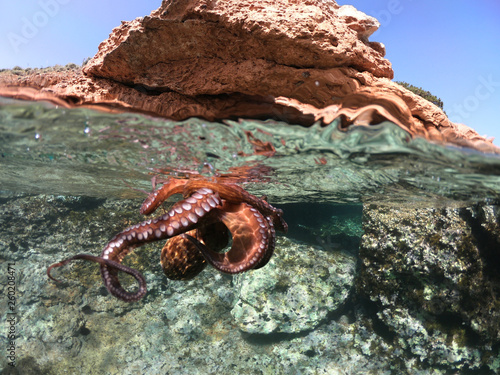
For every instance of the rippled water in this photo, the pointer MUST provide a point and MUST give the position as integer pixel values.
(71, 178)
(82, 152)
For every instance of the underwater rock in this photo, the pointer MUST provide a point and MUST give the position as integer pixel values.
(301, 285)
(179, 327)
(189, 327)
(432, 274)
(298, 62)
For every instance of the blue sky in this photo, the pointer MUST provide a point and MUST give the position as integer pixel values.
(449, 47)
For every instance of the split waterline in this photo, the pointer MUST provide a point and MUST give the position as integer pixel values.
(388, 264)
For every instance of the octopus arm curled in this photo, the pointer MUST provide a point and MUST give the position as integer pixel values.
(117, 291)
(197, 228)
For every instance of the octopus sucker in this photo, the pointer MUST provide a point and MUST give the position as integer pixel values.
(193, 217)
(191, 199)
(205, 191)
(196, 228)
(212, 202)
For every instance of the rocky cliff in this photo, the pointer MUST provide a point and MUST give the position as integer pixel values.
(299, 61)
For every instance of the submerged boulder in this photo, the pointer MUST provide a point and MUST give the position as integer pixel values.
(432, 274)
(298, 291)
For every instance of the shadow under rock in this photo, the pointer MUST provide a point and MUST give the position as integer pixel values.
(330, 226)
(262, 339)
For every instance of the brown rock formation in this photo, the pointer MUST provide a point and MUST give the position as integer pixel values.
(300, 61)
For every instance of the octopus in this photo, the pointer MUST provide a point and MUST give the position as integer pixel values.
(197, 228)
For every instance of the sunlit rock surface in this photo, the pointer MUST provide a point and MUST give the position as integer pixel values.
(300, 288)
(297, 61)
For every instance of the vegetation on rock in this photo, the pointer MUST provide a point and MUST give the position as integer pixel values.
(422, 93)
(19, 71)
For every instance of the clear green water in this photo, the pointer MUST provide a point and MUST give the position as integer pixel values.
(81, 152)
(71, 179)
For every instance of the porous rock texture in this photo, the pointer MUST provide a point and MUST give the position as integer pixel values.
(299, 61)
(297, 293)
(432, 276)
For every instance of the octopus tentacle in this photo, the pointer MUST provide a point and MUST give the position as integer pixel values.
(253, 239)
(182, 217)
(115, 266)
(236, 194)
(230, 192)
(271, 233)
(157, 197)
(199, 224)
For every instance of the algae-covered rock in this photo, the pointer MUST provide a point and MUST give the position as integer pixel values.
(179, 327)
(432, 273)
(301, 285)
(191, 327)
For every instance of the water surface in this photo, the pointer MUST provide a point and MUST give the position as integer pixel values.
(72, 178)
(82, 152)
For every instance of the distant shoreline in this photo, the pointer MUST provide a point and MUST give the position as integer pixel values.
(17, 70)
